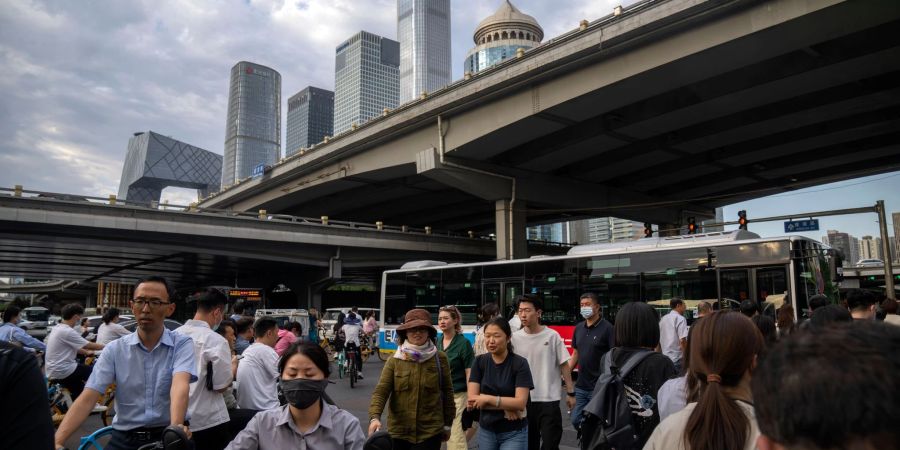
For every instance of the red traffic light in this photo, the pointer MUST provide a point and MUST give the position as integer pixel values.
(648, 230)
(742, 219)
(692, 225)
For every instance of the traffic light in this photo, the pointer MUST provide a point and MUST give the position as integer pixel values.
(742, 219)
(692, 225)
(648, 230)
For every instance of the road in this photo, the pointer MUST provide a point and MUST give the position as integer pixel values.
(356, 401)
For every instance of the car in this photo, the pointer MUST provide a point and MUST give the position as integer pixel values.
(286, 316)
(871, 262)
(330, 317)
(35, 321)
(131, 325)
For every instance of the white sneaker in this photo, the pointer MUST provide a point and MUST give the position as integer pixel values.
(359, 375)
(99, 408)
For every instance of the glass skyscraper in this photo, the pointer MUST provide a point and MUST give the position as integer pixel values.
(366, 79)
(253, 124)
(310, 118)
(500, 35)
(423, 28)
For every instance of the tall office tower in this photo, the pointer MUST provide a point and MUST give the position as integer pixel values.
(870, 248)
(550, 232)
(423, 29)
(613, 229)
(253, 124)
(499, 37)
(366, 79)
(154, 162)
(843, 243)
(310, 118)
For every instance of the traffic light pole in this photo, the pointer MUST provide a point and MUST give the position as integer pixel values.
(882, 220)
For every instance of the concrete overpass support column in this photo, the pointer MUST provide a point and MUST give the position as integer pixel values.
(510, 219)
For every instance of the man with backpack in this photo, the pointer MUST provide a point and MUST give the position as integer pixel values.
(623, 410)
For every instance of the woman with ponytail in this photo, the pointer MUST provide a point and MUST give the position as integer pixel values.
(724, 349)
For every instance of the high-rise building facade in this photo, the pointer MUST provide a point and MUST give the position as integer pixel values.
(499, 36)
(895, 242)
(253, 124)
(310, 118)
(154, 162)
(550, 232)
(423, 29)
(843, 242)
(613, 229)
(870, 248)
(366, 79)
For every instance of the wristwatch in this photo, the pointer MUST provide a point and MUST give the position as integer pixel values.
(447, 429)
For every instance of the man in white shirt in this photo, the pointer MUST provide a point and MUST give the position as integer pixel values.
(212, 357)
(548, 360)
(62, 345)
(257, 373)
(673, 333)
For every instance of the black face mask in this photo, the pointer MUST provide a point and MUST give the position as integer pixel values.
(302, 393)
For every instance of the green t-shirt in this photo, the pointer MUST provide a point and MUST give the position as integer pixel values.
(461, 357)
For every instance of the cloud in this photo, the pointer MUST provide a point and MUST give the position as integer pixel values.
(80, 77)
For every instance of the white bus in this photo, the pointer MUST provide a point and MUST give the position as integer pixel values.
(724, 268)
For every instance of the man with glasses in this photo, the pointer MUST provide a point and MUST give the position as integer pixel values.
(152, 369)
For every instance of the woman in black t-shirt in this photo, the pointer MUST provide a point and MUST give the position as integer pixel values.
(499, 384)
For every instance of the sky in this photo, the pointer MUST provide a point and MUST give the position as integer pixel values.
(81, 77)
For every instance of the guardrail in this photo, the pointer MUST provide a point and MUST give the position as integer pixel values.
(112, 202)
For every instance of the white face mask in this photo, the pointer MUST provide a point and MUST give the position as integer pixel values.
(587, 311)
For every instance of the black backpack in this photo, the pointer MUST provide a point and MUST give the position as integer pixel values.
(607, 420)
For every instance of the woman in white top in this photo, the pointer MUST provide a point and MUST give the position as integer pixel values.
(110, 329)
(724, 350)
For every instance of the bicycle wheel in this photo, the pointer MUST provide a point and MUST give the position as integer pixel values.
(96, 440)
(382, 355)
(340, 364)
(364, 352)
(352, 372)
(328, 349)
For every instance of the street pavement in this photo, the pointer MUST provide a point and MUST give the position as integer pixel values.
(356, 401)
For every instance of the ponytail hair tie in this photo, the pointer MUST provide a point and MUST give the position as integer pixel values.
(713, 378)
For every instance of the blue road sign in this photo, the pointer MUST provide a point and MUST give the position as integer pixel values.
(258, 170)
(794, 226)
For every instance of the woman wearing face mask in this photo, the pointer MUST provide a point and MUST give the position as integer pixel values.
(306, 422)
(416, 387)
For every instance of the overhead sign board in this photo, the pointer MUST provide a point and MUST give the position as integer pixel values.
(794, 226)
(258, 170)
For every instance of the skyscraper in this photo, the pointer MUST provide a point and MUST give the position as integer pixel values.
(499, 36)
(366, 79)
(895, 243)
(253, 124)
(843, 242)
(423, 29)
(310, 118)
(613, 229)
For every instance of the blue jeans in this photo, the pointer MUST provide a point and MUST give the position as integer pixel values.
(510, 440)
(582, 397)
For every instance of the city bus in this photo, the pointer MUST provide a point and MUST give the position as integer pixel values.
(724, 268)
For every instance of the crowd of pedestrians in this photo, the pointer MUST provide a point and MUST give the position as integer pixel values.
(730, 380)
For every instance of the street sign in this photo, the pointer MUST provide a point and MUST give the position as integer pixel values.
(258, 170)
(794, 226)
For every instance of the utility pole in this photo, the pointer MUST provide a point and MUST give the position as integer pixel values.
(886, 250)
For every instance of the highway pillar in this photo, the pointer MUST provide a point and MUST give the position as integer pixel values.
(510, 219)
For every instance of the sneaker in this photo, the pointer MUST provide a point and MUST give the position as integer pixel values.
(359, 375)
(99, 408)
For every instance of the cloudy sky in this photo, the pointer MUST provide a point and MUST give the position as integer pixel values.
(79, 77)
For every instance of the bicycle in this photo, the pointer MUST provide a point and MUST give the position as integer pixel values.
(173, 438)
(350, 357)
(341, 360)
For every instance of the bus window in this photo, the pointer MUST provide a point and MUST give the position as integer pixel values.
(735, 286)
(689, 284)
(556, 283)
(770, 281)
(396, 303)
(461, 288)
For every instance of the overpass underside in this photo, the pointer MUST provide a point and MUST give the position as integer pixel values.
(666, 112)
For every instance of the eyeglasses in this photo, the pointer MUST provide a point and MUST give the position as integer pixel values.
(417, 330)
(154, 303)
(525, 310)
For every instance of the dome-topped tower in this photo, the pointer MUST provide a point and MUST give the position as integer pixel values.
(499, 35)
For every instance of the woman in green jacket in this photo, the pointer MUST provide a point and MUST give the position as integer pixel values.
(416, 387)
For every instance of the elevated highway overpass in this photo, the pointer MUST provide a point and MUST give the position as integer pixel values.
(85, 242)
(663, 111)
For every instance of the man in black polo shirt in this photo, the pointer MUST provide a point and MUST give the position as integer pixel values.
(591, 339)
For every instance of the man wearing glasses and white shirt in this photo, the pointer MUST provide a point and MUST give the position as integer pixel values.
(63, 343)
(209, 414)
(152, 369)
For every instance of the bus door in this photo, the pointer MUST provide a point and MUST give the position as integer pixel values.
(503, 293)
(734, 285)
